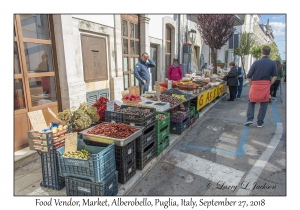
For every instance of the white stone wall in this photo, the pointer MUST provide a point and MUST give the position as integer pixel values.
(106, 20)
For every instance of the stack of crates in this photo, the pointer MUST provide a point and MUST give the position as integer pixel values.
(179, 120)
(197, 114)
(162, 133)
(191, 115)
(96, 176)
(145, 144)
(46, 144)
(125, 159)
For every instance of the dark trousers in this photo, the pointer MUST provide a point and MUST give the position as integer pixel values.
(232, 92)
(261, 114)
(274, 87)
(143, 88)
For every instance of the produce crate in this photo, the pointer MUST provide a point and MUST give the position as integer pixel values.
(191, 121)
(192, 111)
(47, 141)
(178, 92)
(179, 115)
(197, 115)
(113, 117)
(100, 164)
(162, 145)
(138, 120)
(50, 171)
(144, 157)
(84, 187)
(179, 127)
(162, 133)
(162, 123)
(125, 159)
(146, 138)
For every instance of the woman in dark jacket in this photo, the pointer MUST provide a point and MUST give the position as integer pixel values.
(232, 80)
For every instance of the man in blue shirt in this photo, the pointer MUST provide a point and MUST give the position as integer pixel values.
(141, 71)
(259, 78)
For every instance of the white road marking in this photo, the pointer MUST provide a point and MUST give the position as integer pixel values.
(259, 165)
(205, 168)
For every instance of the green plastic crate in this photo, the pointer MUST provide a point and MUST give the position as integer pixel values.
(197, 115)
(162, 145)
(165, 131)
(192, 111)
(162, 123)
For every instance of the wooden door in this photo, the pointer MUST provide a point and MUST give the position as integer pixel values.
(35, 73)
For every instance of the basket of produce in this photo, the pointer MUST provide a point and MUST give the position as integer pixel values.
(165, 84)
(174, 101)
(88, 162)
(101, 105)
(137, 116)
(118, 133)
(178, 92)
(131, 99)
(80, 118)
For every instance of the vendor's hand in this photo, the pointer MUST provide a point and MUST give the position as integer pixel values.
(144, 82)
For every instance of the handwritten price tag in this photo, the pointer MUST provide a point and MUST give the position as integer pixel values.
(37, 120)
(169, 84)
(110, 106)
(71, 142)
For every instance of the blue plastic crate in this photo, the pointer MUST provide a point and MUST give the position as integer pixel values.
(100, 164)
(84, 187)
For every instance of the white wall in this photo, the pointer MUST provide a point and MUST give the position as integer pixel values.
(107, 20)
(155, 25)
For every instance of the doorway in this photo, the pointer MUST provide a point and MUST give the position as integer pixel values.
(153, 70)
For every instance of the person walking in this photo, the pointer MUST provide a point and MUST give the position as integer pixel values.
(284, 71)
(276, 84)
(232, 81)
(141, 71)
(175, 71)
(259, 78)
(241, 80)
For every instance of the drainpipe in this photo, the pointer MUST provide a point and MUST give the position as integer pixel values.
(179, 55)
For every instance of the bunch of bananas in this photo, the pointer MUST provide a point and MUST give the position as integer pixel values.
(181, 97)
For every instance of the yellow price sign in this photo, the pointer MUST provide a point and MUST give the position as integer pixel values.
(220, 89)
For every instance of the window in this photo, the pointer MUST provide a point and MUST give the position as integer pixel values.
(131, 48)
(94, 58)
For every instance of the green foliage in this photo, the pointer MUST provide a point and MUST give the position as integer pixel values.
(274, 54)
(256, 51)
(245, 45)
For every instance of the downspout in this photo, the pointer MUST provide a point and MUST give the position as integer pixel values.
(179, 39)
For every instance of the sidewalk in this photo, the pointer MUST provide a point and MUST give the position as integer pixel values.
(28, 173)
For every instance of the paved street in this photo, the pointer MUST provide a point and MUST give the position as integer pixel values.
(218, 156)
(221, 156)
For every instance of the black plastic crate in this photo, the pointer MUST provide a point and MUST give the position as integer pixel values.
(179, 127)
(125, 159)
(50, 171)
(85, 187)
(144, 157)
(139, 120)
(148, 136)
(47, 141)
(113, 117)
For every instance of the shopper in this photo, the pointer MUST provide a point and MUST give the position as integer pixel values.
(259, 78)
(141, 71)
(232, 81)
(276, 84)
(284, 71)
(175, 71)
(241, 80)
